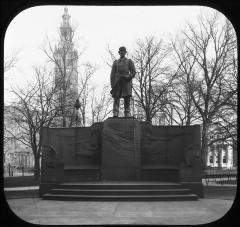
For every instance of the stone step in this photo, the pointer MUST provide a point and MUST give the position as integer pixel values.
(120, 191)
(188, 197)
(181, 191)
(119, 185)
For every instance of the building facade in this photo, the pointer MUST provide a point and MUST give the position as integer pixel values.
(220, 155)
(16, 155)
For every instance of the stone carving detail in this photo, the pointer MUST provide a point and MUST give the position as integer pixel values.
(89, 145)
(121, 149)
(155, 147)
(191, 153)
(50, 156)
(52, 149)
(120, 140)
(96, 137)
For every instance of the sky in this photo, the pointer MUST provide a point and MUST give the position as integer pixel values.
(96, 28)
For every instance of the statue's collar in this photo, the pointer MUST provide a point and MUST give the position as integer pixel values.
(122, 59)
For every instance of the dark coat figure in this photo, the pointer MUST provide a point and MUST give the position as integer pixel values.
(122, 73)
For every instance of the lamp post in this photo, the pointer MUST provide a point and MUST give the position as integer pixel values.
(77, 106)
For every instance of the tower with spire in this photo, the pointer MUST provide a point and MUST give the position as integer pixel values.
(65, 29)
(66, 69)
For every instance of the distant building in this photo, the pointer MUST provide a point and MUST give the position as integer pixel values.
(66, 68)
(16, 154)
(220, 155)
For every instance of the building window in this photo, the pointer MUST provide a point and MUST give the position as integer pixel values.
(224, 156)
(224, 159)
(212, 148)
(211, 159)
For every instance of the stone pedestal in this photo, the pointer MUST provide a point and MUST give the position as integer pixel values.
(121, 149)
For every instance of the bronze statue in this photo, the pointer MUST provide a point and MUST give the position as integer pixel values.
(123, 71)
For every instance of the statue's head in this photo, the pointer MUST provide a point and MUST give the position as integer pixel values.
(122, 51)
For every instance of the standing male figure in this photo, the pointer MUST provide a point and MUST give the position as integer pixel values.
(123, 71)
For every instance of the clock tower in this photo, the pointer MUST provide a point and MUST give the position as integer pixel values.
(66, 69)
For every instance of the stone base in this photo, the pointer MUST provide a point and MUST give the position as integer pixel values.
(121, 149)
(78, 174)
(120, 174)
(164, 173)
(195, 187)
(46, 187)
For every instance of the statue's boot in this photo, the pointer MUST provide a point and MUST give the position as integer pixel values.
(116, 107)
(127, 106)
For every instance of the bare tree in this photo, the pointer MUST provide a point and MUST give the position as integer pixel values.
(111, 57)
(34, 109)
(101, 107)
(225, 121)
(10, 61)
(180, 109)
(87, 72)
(207, 60)
(153, 79)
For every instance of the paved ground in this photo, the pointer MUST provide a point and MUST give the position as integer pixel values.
(38, 211)
(21, 192)
(211, 190)
(21, 188)
(20, 181)
(218, 200)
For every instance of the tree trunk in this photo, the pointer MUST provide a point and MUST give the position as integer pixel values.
(83, 116)
(83, 119)
(204, 145)
(64, 108)
(149, 119)
(71, 120)
(188, 119)
(64, 120)
(36, 168)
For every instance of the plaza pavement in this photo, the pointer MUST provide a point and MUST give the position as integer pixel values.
(24, 202)
(38, 211)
